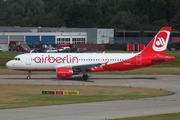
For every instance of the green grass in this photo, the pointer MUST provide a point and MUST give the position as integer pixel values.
(171, 116)
(14, 96)
(9, 55)
(6, 56)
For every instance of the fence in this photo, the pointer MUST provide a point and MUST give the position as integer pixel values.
(135, 40)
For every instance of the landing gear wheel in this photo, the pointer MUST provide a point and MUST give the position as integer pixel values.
(28, 77)
(85, 77)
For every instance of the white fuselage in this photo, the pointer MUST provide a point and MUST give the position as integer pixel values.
(51, 61)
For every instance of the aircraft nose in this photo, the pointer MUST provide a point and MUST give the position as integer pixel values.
(8, 64)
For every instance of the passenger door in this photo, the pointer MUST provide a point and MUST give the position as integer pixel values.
(138, 60)
(28, 60)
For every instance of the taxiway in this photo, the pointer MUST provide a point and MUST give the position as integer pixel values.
(99, 110)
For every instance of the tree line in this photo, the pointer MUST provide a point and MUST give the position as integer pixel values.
(117, 14)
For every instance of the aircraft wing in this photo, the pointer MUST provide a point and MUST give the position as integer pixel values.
(81, 66)
(88, 66)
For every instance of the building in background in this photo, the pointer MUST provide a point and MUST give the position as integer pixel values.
(55, 35)
(4, 44)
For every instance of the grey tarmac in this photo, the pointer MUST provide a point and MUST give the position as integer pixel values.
(98, 110)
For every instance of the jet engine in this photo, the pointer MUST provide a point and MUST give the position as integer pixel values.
(64, 72)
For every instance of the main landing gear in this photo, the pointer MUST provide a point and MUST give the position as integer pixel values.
(85, 77)
(29, 75)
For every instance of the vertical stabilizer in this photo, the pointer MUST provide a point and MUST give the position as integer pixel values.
(159, 43)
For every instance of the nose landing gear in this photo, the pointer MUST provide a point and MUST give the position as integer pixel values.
(29, 75)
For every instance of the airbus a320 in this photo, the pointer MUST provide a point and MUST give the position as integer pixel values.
(68, 64)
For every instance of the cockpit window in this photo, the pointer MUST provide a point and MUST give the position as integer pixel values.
(17, 59)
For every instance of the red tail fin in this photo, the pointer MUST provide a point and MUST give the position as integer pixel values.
(159, 43)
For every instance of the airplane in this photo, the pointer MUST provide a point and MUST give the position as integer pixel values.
(68, 64)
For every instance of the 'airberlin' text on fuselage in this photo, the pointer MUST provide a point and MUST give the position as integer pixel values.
(58, 59)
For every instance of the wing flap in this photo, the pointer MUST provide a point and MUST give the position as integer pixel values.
(82, 66)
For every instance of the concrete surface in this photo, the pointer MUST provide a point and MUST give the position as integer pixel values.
(98, 110)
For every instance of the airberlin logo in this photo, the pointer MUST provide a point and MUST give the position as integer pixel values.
(160, 41)
(58, 59)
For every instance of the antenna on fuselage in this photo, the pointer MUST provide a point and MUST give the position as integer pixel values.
(31, 51)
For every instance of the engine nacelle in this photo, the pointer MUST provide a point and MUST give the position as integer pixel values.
(64, 72)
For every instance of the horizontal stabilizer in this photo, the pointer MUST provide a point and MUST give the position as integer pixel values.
(157, 59)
